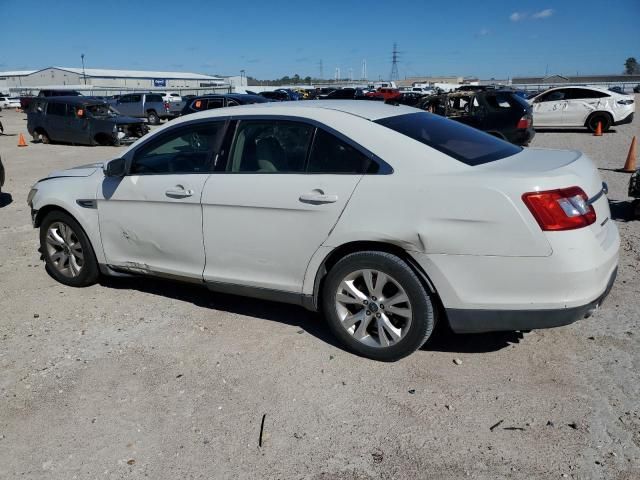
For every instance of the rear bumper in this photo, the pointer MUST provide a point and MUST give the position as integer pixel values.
(478, 321)
(625, 120)
(522, 136)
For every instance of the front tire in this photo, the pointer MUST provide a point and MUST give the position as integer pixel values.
(67, 251)
(153, 118)
(376, 306)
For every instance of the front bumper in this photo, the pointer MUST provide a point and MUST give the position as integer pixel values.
(479, 321)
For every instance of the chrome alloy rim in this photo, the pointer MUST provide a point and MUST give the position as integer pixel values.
(373, 308)
(64, 249)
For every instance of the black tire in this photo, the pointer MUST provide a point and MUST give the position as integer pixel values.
(592, 122)
(422, 307)
(89, 272)
(153, 117)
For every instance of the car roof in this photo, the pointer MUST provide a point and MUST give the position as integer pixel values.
(585, 87)
(367, 109)
(78, 100)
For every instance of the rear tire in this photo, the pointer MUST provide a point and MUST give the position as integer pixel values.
(368, 291)
(605, 119)
(44, 138)
(67, 251)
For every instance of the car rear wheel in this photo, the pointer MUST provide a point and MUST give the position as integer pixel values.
(153, 118)
(67, 251)
(44, 138)
(603, 118)
(376, 305)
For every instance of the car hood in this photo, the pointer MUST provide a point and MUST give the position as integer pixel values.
(80, 171)
(123, 119)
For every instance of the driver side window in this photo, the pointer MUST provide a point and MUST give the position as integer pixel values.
(182, 150)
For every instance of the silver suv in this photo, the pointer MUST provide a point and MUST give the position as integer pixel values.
(143, 105)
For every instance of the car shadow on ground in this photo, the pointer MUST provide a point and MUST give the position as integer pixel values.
(571, 130)
(442, 340)
(622, 210)
(5, 199)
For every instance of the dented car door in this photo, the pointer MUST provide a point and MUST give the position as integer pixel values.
(151, 219)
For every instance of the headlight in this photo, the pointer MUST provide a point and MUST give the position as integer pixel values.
(32, 193)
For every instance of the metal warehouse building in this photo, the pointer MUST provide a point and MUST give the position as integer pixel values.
(96, 78)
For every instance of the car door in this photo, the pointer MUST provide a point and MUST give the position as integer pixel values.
(264, 216)
(548, 108)
(580, 103)
(55, 119)
(151, 219)
(76, 125)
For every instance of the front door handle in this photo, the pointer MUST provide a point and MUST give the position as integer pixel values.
(179, 192)
(318, 197)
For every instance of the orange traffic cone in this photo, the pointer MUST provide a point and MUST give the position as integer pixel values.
(21, 142)
(630, 164)
(598, 132)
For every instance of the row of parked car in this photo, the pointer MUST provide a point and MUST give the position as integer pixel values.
(67, 116)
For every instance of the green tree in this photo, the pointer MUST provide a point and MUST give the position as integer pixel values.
(631, 66)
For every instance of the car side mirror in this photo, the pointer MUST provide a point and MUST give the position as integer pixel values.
(115, 168)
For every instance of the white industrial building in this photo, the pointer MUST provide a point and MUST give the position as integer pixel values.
(96, 78)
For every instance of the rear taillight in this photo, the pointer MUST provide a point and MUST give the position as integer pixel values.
(563, 209)
(166, 105)
(625, 102)
(524, 123)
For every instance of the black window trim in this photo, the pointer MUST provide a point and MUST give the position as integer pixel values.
(383, 167)
(131, 155)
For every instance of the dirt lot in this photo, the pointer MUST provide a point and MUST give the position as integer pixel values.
(133, 379)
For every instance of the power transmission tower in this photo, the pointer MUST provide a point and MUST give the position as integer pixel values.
(394, 64)
(364, 69)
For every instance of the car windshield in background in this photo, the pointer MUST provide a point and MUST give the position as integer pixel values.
(465, 144)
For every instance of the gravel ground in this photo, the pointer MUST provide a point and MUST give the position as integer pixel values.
(133, 379)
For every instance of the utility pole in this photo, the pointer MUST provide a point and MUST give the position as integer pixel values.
(351, 74)
(364, 69)
(84, 76)
(394, 64)
(321, 71)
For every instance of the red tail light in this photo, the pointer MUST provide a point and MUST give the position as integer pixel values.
(166, 105)
(524, 123)
(563, 209)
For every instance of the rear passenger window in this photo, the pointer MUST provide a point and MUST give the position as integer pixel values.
(215, 103)
(584, 93)
(152, 98)
(331, 155)
(183, 150)
(270, 147)
(498, 101)
(57, 109)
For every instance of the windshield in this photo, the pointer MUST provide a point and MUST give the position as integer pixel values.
(465, 144)
(101, 110)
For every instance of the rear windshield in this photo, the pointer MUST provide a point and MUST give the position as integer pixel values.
(465, 144)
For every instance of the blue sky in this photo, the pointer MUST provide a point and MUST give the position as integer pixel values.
(490, 38)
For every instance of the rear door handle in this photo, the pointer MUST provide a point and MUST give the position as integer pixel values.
(318, 197)
(179, 192)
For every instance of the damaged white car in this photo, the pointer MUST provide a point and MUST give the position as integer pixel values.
(386, 218)
(582, 107)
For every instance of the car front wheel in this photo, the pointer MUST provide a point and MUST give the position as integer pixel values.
(67, 251)
(376, 305)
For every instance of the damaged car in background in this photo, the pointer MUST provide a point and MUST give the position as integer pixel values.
(82, 120)
(499, 112)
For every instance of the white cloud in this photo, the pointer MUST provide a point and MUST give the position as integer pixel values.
(517, 16)
(546, 13)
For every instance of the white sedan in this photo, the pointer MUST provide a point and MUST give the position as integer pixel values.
(386, 218)
(582, 107)
(9, 102)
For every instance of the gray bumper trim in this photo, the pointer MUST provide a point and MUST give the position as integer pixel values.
(479, 321)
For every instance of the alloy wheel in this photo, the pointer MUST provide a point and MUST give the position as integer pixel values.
(64, 249)
(373, 308)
